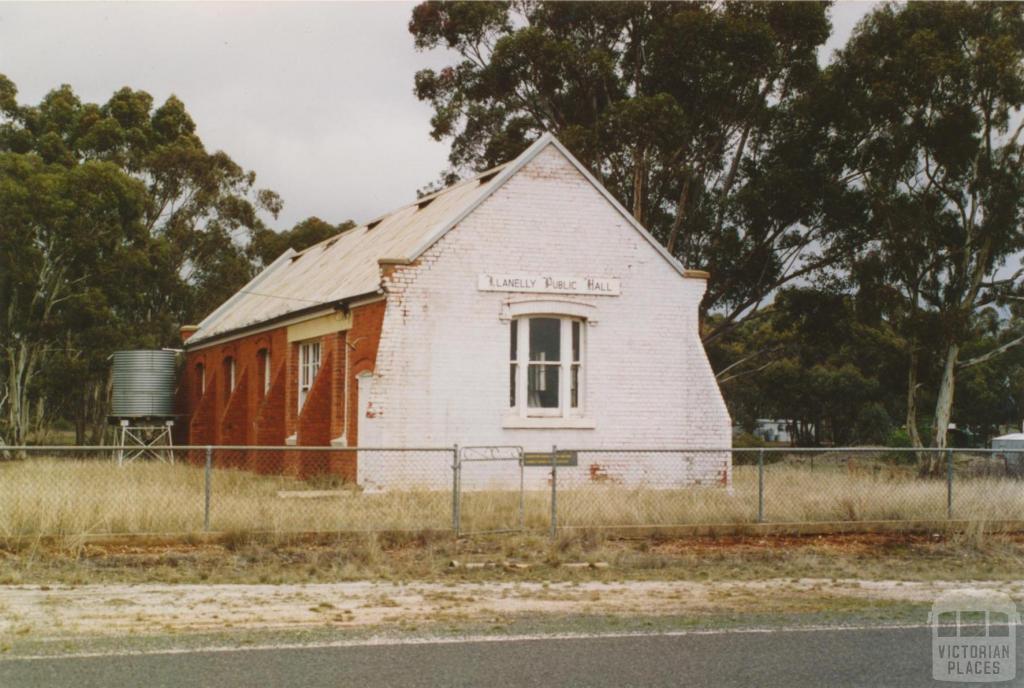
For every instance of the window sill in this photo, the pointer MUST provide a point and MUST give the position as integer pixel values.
(550, 423)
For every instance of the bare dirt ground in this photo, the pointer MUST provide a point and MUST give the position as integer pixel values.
(110, 594)
(43, 612)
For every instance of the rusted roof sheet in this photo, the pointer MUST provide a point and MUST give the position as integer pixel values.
(344, 266)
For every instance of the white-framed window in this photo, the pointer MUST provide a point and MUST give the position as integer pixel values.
(546, 372)
(309, 366)
(264, 360)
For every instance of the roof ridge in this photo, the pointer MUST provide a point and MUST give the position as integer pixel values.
(418, 201)
(439, 192)
(353, 267)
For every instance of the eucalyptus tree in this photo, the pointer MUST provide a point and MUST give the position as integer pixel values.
(67, 234)
(202, 203)
(117, 226)
(927, 105)
(687, 112)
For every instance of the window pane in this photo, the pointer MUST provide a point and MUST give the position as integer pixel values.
(542, 384)
(514, 329)
(545, 339)
(575, 341)
(512, 384)
(575, 387)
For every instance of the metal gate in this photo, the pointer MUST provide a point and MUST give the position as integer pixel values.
(475, 507)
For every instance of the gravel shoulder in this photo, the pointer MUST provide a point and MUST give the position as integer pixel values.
(243, 593)
(63, 618)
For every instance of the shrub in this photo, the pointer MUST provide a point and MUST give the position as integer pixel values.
(746, 440)
(873, 425)
(899, 438)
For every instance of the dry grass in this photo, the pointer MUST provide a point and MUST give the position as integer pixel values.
(65, 499)
(795, 494)
(422, 557)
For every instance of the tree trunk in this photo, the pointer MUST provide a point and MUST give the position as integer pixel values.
(100, 408)
(680, 218)
(80, 415)
(920, 458)
(639, 182)
(39, 420)
(911, 419)
(21, 361)
(944, 405)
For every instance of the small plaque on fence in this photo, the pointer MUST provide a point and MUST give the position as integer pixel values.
(564, 458)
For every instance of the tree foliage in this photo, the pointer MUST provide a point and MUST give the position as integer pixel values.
(267, 244)
(861, 220)
(689, 113)
(929, 137)
(116, 226)
(73, 255)
(856, 219)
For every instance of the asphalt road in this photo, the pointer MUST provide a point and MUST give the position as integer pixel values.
(789, 658)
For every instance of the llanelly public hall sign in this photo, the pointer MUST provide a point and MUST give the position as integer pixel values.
(549, 284)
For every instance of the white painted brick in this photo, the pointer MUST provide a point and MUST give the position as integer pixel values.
(442, 367)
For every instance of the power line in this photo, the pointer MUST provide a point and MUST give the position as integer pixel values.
(278, 296)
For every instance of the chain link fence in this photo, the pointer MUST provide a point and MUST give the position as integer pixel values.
(72, 491)
(65, 491)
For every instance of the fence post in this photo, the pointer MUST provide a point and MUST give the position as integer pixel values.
(554, 490)
(949, 483)
(209, 477)
(456, 502)
(522, 492)
(760, 486)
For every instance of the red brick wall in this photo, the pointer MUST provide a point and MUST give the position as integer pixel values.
(363, 339)
(269, 425)
(269, 422)
(247, 416)
(315, 417)
(236, 421)
(202, 420)
(314, 422)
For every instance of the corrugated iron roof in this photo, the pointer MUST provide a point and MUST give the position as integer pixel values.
(343, 266)
(347, 265)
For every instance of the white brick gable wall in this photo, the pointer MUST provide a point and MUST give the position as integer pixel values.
(442, 374)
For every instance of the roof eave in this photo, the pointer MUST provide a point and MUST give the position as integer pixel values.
(234, 298)
(235, 333)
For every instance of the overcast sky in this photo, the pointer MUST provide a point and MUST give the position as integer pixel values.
(315, 98)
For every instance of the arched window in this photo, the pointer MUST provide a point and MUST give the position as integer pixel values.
(546, 366)
(309, 366)
(229, 374)
(263, 356)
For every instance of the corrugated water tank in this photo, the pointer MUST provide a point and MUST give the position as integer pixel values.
(144, 384)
